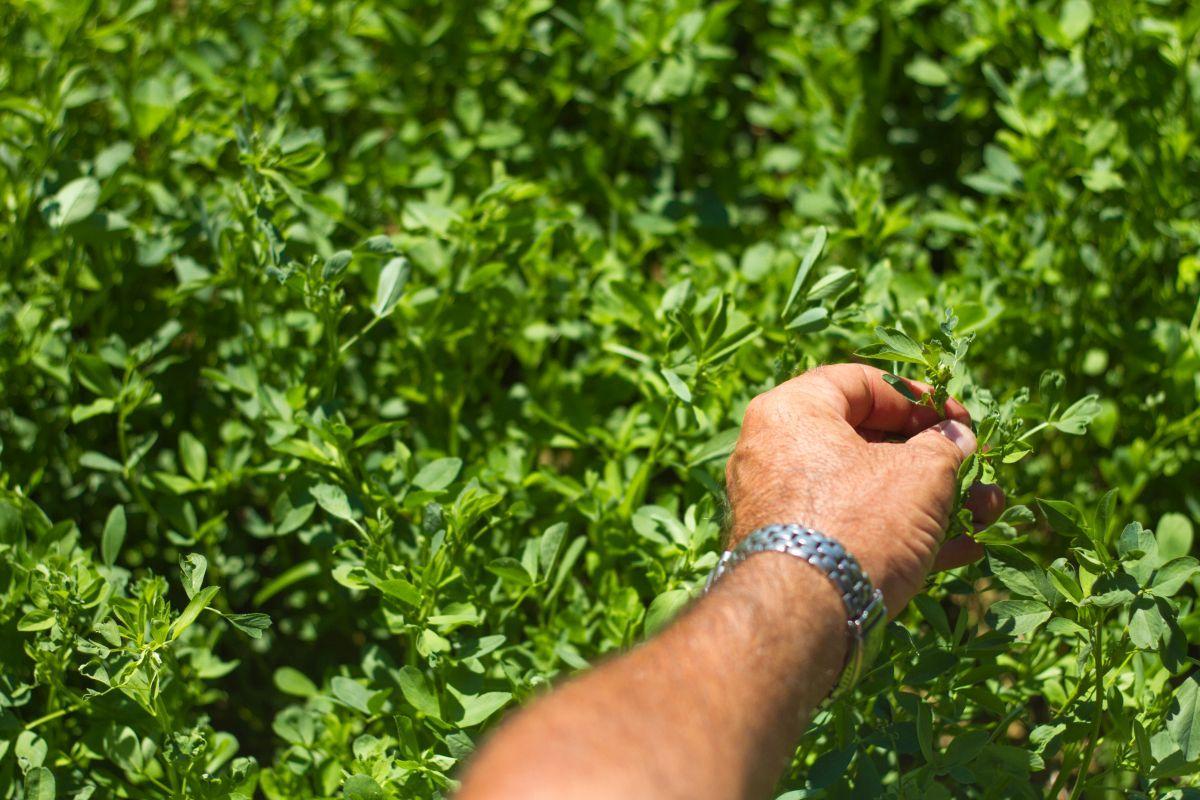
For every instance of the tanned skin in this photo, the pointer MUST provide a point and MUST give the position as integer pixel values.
(712, 707)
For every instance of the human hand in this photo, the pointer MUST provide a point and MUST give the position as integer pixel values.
(841, 451)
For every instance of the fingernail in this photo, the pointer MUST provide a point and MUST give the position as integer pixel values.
(958, 433)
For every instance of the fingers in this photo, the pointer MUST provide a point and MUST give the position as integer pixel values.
(943, 446)
(864, 399)
(986, 502)
(957, 553)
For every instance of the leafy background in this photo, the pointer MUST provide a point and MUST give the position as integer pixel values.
(369, 365)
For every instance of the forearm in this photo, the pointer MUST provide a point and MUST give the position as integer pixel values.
(711, 708)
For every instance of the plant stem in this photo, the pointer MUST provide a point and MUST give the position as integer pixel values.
(1086, 762)
(52, 716)
(1003, 724)
(1032, 431)
(363, 332)
(131, 480)
(637, 487)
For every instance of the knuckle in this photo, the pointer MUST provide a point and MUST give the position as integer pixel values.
(814, 375)
(819, 371)
(759, 410)
(944, 454)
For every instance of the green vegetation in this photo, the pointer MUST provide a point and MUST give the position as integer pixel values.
(366, 366)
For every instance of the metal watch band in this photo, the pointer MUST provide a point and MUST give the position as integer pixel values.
(865, 611)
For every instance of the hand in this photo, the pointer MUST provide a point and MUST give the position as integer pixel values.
(841, 451)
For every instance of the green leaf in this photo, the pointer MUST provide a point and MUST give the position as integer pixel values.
(1061, 626)
(12, 526)
(757, 260)
(362, 787)
(1020, 574)
(29, 748)
(810, 321)
(677, 385)
(294, 682)
(934, 614)
(664, 608)
(806, 265)
(951, 222)
(1135, 542)
(925, 731)
(731, 343)
(438, 474)
(73, 203)
(831, 766)
(293, 508)
(510, 570)
(113, 536)
(401, 590)
(98, 407)
(94, 373)
(1105, 511)
(351, 693)
(39, 619)
(1019, 617)
(304, 449)
(1064, 580)
(417, 692)
(926, 71)
(1111, 591)
(1146, 624)
(333, 499)
(295, 574)
(901, 386)
(39, 784)
(153, 103)
(1183, 721)
(99, 462)
(1170, 577)
(112, 158)
(1174, 533)
(252, 624)
(476, 708)
(894, 345)
(193, 609)
(1080, 414)
(376, 432)
(193, 455)
(192, 568)
(336, 264)
(550, 545)
(720, 445)
(1075, 19)
(1043, 736)
(454, 614)
(392, 280)
(832, 285)
(1064, 518)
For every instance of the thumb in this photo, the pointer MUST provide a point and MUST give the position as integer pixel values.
(946, 444)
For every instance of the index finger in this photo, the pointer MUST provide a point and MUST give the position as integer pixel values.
(864, 399)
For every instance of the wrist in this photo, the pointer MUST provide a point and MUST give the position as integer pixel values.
(863, 607)
(791, 601)
(866, 538)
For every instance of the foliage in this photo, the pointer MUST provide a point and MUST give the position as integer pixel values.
(368, 366)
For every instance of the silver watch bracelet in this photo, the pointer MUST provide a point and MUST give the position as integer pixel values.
(865, 611)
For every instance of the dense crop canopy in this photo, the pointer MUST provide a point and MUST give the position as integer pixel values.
(367, 366)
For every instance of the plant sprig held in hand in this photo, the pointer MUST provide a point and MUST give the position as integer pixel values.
(1001, 426)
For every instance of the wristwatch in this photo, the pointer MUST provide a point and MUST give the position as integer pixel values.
(865, 613)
